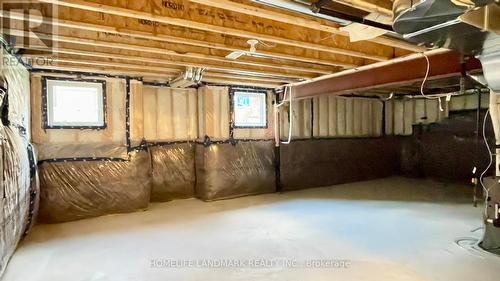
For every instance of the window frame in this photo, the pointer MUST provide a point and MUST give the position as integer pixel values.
(233, 92)
(45, 104)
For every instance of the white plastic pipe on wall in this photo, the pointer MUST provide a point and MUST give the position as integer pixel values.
(286, 92)
(495, 119)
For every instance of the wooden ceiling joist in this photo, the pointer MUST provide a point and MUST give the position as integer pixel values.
(123, 12)
(158, 69)
(146, 74)
(159, 51)
(369, 6)
(238, 82)
(180, 40)
(300, 21)
(139, 59)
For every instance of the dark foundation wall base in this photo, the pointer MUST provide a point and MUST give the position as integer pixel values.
(313, 163)
(447, 151)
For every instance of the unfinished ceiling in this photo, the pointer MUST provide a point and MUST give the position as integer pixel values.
(157, 39)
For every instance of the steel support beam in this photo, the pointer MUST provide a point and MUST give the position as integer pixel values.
(396, 72)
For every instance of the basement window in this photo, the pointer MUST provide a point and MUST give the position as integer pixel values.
(250, 110)
(74, 104)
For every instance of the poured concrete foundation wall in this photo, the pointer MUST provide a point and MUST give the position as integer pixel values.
(313, 163)
(19, 181)
(228, 171)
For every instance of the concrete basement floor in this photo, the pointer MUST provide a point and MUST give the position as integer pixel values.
(388, 229)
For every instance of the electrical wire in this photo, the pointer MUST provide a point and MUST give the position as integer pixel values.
(425, 80)
(486, 189)
(267, 44)
(389, 98)
(471, 245)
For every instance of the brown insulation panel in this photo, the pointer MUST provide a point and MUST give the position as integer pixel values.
(173, 172)
(78, 190)
(227, 171)
(313, 163)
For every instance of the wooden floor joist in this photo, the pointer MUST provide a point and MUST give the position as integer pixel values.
(105, 55)
(180, 40)
(151, 68)
(261, 68)
(164, 77)
(368, 6)
(158, 51)
(118, 11)
(300, 21)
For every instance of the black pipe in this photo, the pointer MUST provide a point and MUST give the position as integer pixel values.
(318, 8)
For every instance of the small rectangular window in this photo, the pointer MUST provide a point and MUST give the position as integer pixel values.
(250, 110)
(75, 104)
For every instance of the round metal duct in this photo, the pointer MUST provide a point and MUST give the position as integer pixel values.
(414, 15)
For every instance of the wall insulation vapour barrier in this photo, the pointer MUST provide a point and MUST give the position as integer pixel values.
(161, 144)
(194, 149)
(154, 150)
(20, 189)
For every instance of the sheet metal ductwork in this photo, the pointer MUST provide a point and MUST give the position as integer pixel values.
(471, 27)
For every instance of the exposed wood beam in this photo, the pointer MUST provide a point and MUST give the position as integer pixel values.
(166, 72)
(169, 63)
(368, 6)
(400, 71)
(141, 49)
(177, 40)
(299, 21)
(164, 77)
(161, 51)
(240, 83)
(104, 70)
(149, 68)
(118, 11)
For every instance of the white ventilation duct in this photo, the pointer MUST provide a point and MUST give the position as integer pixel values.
(192, 76)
